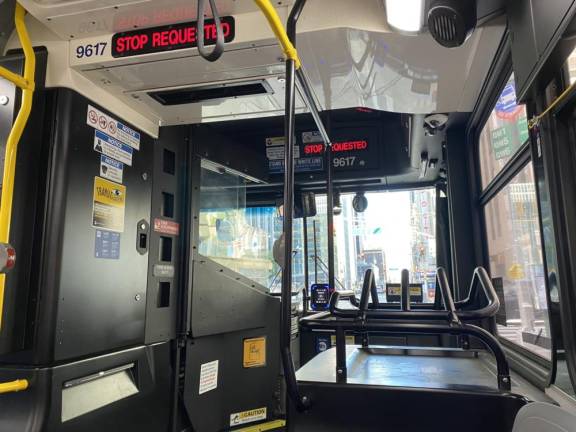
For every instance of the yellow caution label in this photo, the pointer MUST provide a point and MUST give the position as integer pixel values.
(263, 427)
(414, 291)
(349, 340)
(254, 352)
(249, 416)
(109, 203)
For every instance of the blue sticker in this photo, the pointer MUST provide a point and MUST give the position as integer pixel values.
(113, 148)
(300, 165)
(107, 245)
(323, 342)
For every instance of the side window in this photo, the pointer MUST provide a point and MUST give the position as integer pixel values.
(503, 134)
(512, 228)
(516, 266)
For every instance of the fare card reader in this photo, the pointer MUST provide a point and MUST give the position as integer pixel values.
(320, 296)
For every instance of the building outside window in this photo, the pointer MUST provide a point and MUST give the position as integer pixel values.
(513, 229)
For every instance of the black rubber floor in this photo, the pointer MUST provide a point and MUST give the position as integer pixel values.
(416, 371)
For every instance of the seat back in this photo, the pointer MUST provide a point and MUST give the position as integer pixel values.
(543, 417)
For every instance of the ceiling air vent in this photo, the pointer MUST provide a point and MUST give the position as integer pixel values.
(196, 94)
(451, 22)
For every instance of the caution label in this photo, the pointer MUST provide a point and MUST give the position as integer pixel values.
(254, 352)
(250, 416)
(118, 130)
(109, 203)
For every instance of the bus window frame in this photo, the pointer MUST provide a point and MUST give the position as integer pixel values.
(499, 75)
(562, 123)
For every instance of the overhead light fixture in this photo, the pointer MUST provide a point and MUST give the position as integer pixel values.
(405, 15)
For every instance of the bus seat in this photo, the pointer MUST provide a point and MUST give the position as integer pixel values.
(544, 417)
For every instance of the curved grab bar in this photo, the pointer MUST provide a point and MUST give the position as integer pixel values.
(27, 84)
(442, 280)
(454, 312)
(366, 291)
(405, 290)
(218, 49)
(480, 278)
(373, 291)
(490, 341)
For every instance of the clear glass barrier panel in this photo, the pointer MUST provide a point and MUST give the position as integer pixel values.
(516, 266)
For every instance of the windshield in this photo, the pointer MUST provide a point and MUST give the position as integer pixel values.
(395, 232)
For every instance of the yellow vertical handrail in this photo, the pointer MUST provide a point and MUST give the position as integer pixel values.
(26, 83)
(278, 29)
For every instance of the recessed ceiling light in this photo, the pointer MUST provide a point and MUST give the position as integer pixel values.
(405, 15)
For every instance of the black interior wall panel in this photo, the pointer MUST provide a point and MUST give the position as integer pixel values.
(238, 389)
(79, 305)
(536, 26)
(101, 302)
(460, 208)
(228, 150)
(224, 301)
(39, 409)
(355, 407)
(164, 277)
(30, 177)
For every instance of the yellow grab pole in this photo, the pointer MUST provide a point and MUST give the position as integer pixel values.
(13, 386)
(26, 83)
(19, 80)
(278, 29)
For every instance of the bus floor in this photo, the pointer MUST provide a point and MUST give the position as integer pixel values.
(408, 389)
(434, 368)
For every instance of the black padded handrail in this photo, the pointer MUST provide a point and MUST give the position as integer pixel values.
(326, 322)
(479, 278)
(442, 280)
(365, 296)
(460, 313)
(405, 290)
(369, 274)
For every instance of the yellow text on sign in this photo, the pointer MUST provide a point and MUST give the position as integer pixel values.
(109, 193)
(109, 204)
(349, 340)
(254, 352)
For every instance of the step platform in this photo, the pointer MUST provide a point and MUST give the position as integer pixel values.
(403, 390)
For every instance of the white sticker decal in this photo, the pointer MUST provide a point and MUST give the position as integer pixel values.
(112, 127)
(275, 148)
(113, 148)
(208, 377)
(312, 137)
(111, 169)
(250, 416)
